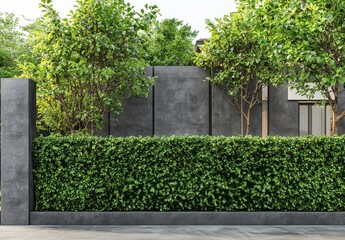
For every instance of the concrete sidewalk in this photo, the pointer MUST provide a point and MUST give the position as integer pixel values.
(172, 232)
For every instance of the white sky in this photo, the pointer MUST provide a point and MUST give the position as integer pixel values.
(193, 12)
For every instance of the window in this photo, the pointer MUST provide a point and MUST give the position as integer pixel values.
(314, 120)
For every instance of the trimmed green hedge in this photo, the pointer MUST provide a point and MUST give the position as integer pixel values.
(189, 174)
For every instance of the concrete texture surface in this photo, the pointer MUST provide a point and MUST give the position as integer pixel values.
(181, 101)
(17, 132)
(173, 232)
(282, 114)
(137, 116)
(226, 119)
(256, 120)
(187, 218)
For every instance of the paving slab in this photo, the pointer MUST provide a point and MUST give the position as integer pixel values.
(172, 232)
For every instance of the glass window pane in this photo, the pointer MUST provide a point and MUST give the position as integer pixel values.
(303, 120)
(318, 120)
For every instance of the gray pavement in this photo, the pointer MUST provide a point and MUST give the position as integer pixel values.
(172, 232)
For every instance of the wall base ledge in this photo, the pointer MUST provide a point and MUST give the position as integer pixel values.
(187, 218)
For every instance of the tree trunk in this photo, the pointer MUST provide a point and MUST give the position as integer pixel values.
(334, 128)
(248, 123)
(334, 131)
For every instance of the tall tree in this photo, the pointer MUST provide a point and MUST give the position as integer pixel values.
(311, 37)
(237, 53)
(88, 63)
(11, 45)
(172, 43)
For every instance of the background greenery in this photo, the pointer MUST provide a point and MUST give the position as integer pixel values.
(87, 64)
(171, 43)
(189, 174)
(296, 42)
(90, 61)
(242, 64)
(11, 44)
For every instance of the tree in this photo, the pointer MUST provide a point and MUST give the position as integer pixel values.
(11, 45)
(311, 36)
(172, 43)
(88, 63)
(236, 51)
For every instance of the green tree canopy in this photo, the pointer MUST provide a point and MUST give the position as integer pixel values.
(237, 53)
(88, 63)
(310, 35)
(172, 43)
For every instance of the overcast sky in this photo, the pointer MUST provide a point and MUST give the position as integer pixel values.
(193, 12)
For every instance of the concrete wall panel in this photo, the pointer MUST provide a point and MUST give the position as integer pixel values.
(226, 119)
(136, 118)
(282, 114)
(256, 120)
(181, 101)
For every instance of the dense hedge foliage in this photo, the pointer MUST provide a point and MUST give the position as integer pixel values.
(189, 174)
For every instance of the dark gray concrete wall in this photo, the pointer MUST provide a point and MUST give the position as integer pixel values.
(184, 103)
(136, 118)
(342, 108)
(18, 130)
(282, 114)
(181, 101)
(226, 119)
(256, 120)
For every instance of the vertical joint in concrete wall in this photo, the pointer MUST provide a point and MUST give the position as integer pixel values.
(18, 119)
